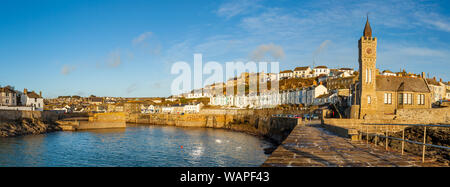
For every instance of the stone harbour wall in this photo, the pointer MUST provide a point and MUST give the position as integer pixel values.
(425, 116)
(350, 127)
(256, 122)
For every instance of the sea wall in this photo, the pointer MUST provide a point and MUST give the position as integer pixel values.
(18, 115)
(425, 116)
(256, 122)
(17, 123)
(94, 121)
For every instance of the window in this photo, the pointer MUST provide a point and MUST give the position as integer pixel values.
(405, 98)
(387, 98)
(367, 75)
(368, 99)
(370, 75)
(421, 99)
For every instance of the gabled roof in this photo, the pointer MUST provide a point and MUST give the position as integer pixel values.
(321, 67)
(407, 84)
(6, 89)
(96, 99)
(301, 68)
(433, 82)
(32, 95)
(286, 71)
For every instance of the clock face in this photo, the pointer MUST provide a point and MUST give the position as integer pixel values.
(369, 51)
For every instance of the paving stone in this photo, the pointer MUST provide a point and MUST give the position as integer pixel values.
(312, 146)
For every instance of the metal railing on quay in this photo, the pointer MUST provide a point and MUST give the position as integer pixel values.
(403, 140)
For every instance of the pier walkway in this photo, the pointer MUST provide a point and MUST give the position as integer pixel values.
(311, 145)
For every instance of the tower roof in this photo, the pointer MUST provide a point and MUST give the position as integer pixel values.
(367, 29)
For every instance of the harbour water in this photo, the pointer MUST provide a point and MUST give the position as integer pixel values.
(136, 145)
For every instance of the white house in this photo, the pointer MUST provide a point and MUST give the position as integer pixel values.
(348, 70)
(167, 109)
(313, 92)
(286, 74)
(192, 108)
(319, 70)
(388, 73)
(302, 72)
(32, 99)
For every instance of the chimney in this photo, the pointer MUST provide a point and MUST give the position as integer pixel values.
(25, 91)
(440, 80)
(423, 75)
(434, 78)
(40, 93)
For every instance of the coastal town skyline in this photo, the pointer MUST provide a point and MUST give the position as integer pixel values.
(67, 53)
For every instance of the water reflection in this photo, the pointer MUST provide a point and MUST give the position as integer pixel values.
(137, 145)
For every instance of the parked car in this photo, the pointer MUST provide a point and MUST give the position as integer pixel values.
(315, 116)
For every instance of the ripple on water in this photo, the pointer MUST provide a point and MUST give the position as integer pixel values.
(135, 146)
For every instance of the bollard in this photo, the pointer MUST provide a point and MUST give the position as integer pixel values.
(376, 135)
(367, 134)
(424, 141)
(403, 140)
(387, 134)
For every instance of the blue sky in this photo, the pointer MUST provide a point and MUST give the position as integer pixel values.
(127, 48)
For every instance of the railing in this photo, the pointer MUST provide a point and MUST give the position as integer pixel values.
(387, 137)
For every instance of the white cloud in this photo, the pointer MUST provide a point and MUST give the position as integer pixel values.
(114, 59)
(133, 87)
(236, 7)
(415, 51)
(141, 38)
(434, 21)
(261, 51)
(66, 70)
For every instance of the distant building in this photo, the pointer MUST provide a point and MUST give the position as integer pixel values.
(388, 73)
(286, 74)
(8, 96)
(32, 99)
(193, 108)
(302, 72)
(319, 70)
(341, 82)
(95, 100)
(438, 89)
(348, 70)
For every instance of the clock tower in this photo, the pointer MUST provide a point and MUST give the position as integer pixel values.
(367, 70)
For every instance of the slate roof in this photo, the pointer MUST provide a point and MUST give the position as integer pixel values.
(301, 68)
(286, 71)
(407, 84)
(6, 89)
(33, 95)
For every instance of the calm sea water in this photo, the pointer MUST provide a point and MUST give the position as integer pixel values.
(137, 145)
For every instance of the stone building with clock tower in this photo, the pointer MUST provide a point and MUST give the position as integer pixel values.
(376, 95)
(367, 68)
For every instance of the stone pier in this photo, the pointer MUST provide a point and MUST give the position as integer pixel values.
(310, 145)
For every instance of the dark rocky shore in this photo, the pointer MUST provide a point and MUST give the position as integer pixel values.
(435, 136)
(26, 126)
